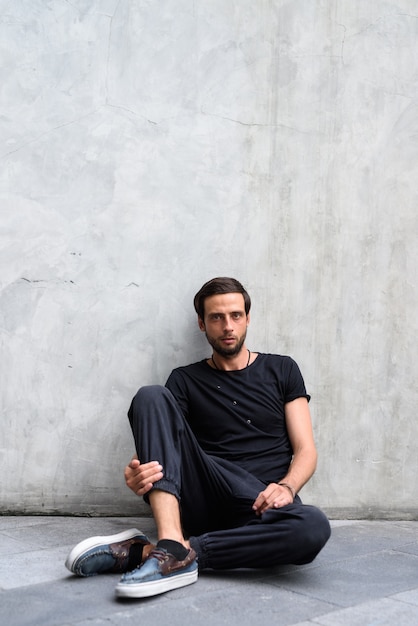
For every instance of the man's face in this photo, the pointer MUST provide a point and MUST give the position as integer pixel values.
(225, 323)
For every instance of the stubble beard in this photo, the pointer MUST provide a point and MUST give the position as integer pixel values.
(226, 352)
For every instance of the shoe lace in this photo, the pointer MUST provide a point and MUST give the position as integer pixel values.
(159, 554)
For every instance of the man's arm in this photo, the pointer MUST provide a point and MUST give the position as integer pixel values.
(299, 428)
(303, 465)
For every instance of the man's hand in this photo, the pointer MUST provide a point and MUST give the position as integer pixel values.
(274, 496)
(140, 477)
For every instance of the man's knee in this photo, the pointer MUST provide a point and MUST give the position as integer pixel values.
(147, 397)
(316, 532)
(149, 393)
(144, 400)
(153, 404)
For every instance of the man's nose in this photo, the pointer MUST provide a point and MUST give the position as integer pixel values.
(228, 323)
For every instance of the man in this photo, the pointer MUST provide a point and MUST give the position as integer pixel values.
(222, 451)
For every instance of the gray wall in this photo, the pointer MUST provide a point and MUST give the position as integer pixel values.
(149, 146)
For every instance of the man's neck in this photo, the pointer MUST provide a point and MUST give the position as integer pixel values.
(230, 363)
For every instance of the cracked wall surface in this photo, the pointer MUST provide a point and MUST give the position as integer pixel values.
(146, 147)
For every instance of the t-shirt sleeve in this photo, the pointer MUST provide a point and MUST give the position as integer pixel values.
(295, 387)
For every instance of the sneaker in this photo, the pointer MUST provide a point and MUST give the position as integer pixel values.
(112, 554)
(160, 572)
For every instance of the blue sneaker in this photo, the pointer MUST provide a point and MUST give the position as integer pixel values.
(161, 572)
(108, 554)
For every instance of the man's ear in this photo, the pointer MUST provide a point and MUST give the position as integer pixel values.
(201, 324)
(248, 319)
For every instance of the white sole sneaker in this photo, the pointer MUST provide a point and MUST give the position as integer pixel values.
(95, 542)
(155, 587)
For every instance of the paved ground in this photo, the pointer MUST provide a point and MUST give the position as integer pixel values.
(366, 575)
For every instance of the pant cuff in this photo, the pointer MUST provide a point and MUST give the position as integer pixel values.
(197, 543)
(164, 485)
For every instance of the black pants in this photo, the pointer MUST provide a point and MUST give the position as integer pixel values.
(216, 496)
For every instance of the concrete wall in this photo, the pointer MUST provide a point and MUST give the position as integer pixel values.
(149, 146)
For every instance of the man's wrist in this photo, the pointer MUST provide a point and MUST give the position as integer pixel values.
(291, 489)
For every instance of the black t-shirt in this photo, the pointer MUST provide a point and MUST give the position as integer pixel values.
(239, 415)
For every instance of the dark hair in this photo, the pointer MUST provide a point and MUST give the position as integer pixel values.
(215, 287)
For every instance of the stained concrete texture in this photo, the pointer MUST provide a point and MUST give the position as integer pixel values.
(148, 146)
(366, 575)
